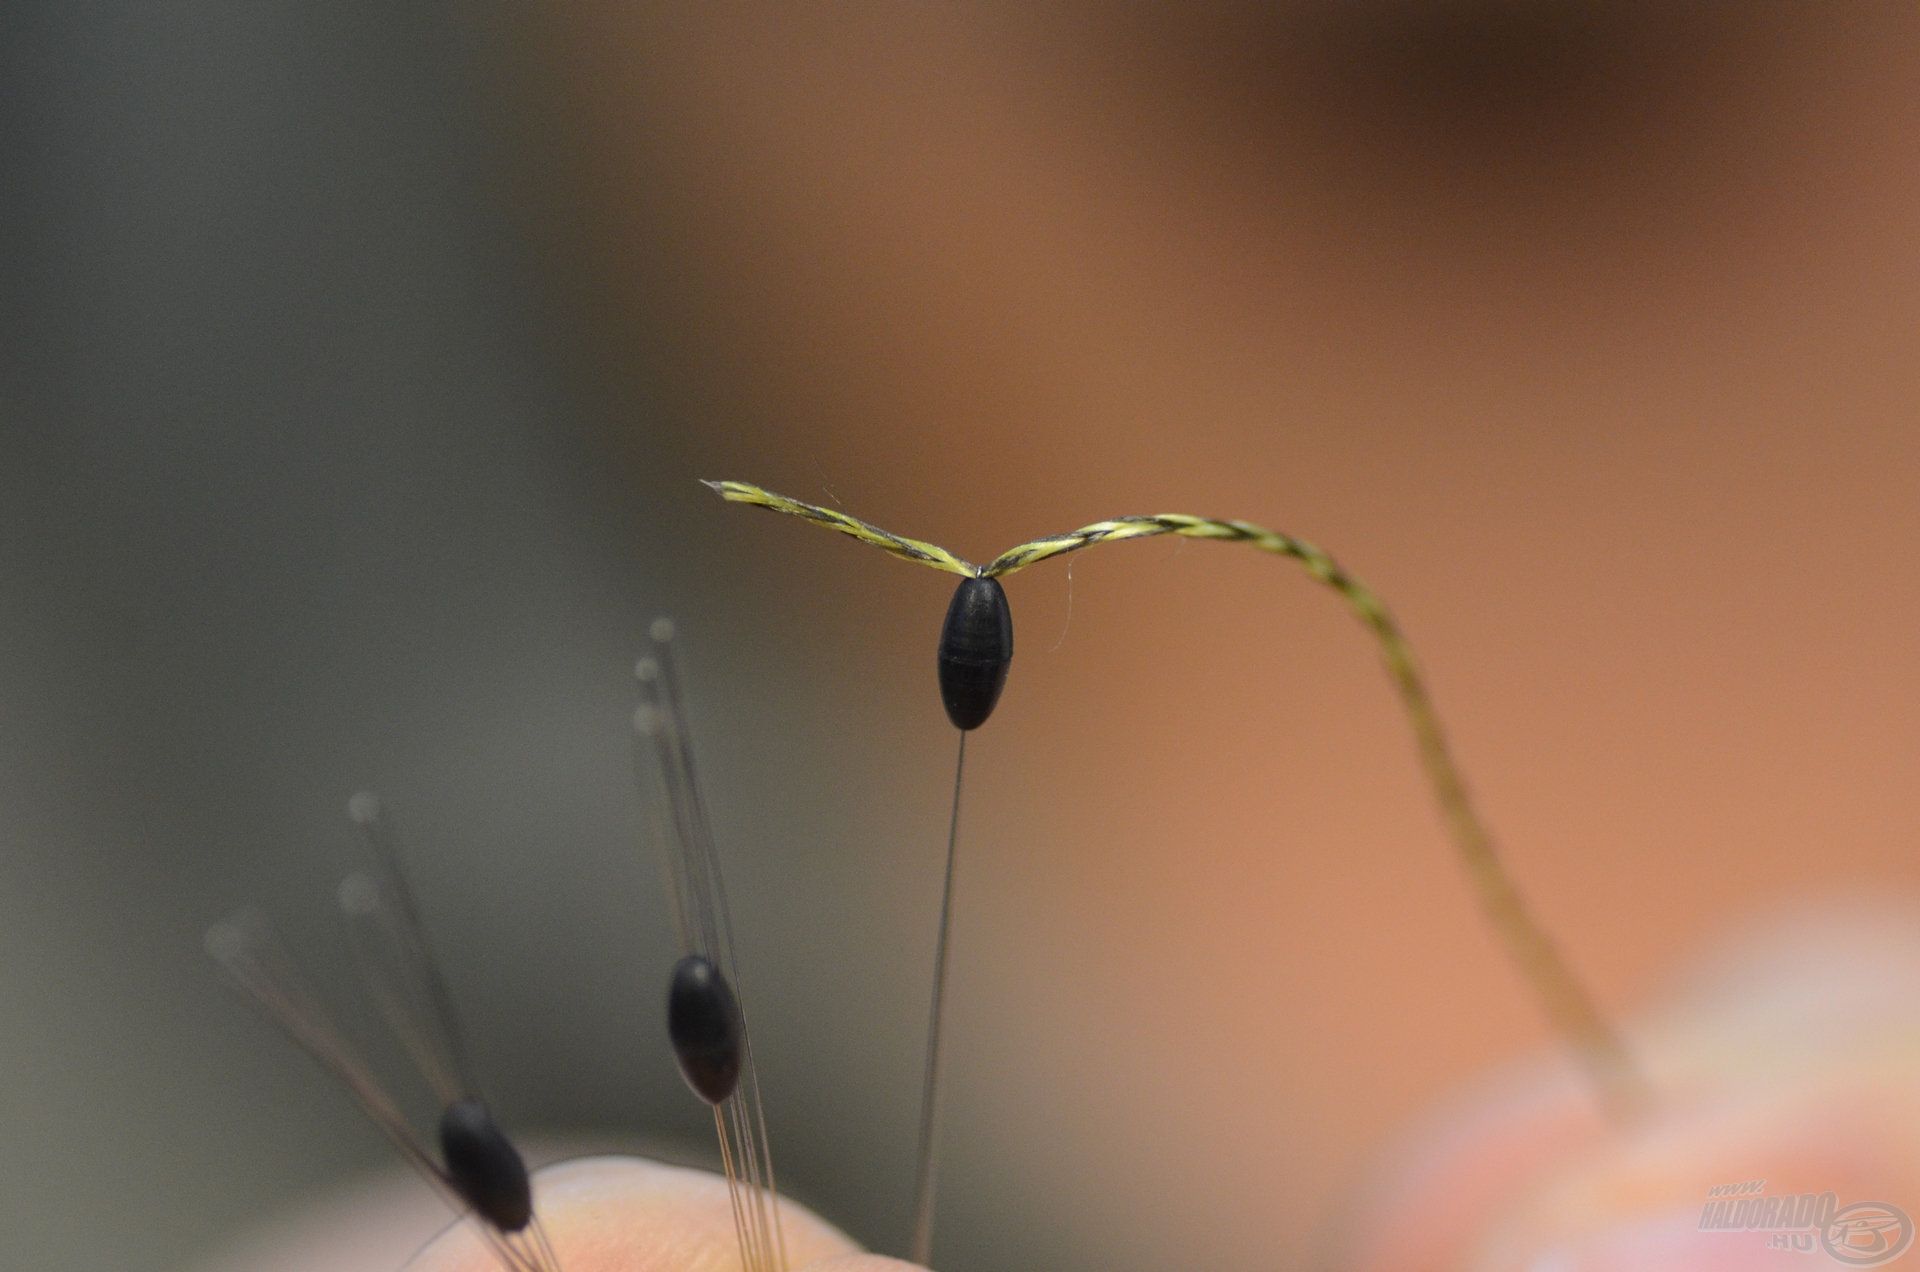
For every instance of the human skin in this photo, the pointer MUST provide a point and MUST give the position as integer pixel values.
(626, 1214)
(1791, 1065)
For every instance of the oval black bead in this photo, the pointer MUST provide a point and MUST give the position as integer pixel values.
(976, 648)
(484, 1166)
(703, 1022)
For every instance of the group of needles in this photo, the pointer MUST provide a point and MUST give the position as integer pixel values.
(478, 1169)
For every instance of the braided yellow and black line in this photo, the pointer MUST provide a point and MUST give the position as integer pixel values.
(1564, 997)
(915, 550)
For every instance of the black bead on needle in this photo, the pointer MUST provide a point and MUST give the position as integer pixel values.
(703, 1023)
(476, 1167)
(976, 650)
(399, 969)
(484, 1166)
(706, 1007)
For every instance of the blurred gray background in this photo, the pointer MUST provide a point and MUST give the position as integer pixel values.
(298, 497)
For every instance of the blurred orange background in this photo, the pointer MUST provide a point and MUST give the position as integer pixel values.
(1583, 333)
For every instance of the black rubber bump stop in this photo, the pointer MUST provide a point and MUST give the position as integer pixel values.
(484, 1166)
(976, 648)
(703, 1023)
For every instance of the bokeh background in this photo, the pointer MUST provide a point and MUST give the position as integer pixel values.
(359, 363)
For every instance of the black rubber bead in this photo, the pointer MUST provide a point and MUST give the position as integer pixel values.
(484, 1166)
(976, 648)
(703, 1022)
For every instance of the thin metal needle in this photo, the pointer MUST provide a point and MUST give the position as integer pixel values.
(922, 1249)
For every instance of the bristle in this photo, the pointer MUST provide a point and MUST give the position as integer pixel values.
(926, 1157)
(478, 1167)
(677, 810)
(377, 935)
(393, 945)
(252, 957)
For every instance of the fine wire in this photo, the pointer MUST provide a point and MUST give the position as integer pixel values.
(1564, 996)
(396, 958)
(1066, 622)
(248, 951)
(921, 1250)
(716, 913)
(710, 899)
(664, 783)
(370, 914)
(743, 1130)
(650, 768)
(743, 1162)
(704, 915)
(250, 954)
(530, 1246)
(507, 1248)
(544, 1257)
(760, 1151)
(760, 1122)
(733, 1187)
(410, 935)
(694, 894)
(688, 876)
(548, 1256)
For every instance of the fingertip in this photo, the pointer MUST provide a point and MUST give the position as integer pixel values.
(626, 1214)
